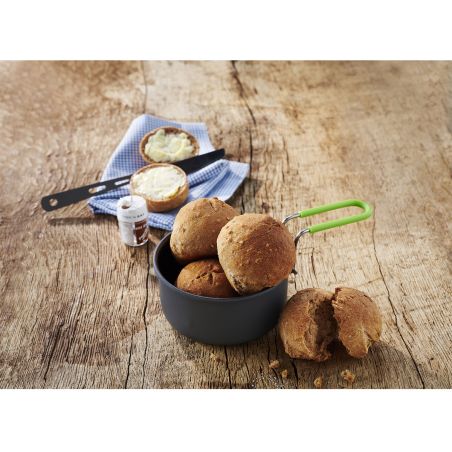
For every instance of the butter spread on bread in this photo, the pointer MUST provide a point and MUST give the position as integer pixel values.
(160, 182)
(163, 186)
(168, 147)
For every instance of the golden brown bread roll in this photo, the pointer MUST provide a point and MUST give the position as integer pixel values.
(206, 278)
(307, 326)
(256, 251)
(313, 318)
(359, 320)
(196, 228)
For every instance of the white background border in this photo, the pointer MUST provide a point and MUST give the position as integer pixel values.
(232, 29)
(225, 420)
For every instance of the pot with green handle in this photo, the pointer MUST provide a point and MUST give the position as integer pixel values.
(228, 321)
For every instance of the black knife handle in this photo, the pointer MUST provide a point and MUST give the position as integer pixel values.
(65, 198)
(199, 161)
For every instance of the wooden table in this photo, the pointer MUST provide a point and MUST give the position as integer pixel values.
(80, 310)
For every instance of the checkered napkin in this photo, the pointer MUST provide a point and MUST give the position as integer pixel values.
(220, 179)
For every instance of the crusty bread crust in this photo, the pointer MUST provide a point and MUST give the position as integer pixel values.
(359, 320)
(307, 326)
(313, 318)
(196, 228)
(167, 130)
(162, 205)
(205, 277)
(256, 252)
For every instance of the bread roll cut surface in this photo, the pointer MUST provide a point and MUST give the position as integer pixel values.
(307, 325)
(256, 252)
(359, 320)
(162, 155)
(162, 185)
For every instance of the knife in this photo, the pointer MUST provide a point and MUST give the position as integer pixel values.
(65, 198)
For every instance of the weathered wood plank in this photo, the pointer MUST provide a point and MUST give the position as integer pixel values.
(311, 132)
(63, 319)
(79, 310)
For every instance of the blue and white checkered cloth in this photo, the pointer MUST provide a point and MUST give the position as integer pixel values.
(220, 179)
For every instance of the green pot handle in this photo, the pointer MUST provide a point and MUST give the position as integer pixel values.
(364, 215)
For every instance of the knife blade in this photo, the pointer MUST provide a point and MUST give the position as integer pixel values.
(65, 198)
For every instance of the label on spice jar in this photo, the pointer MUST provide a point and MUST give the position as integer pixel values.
(140, 229)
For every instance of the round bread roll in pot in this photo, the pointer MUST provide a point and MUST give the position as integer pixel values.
(256, 252)
(205, 277)
(196, 228)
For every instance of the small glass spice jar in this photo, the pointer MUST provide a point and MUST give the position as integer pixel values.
(132, 216)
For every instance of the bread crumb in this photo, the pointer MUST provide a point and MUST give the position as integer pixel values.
(215, 357)
(318, 382)
(348, 376)
(274, 364)
(284, 373)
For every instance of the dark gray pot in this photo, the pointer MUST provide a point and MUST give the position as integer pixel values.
(219, 321)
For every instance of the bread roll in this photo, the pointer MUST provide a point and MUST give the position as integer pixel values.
(196, 228)
(162, 185)
(256, 251)
(307, 326)
(359, 320)
(313, 318)
(165, 153)
(205, 277)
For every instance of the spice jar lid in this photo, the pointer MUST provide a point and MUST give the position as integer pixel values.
(131, 208)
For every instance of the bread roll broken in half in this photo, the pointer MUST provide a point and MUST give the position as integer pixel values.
(313, 318)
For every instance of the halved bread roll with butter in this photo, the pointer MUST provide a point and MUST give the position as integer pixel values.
(167, 145)
(162, 185)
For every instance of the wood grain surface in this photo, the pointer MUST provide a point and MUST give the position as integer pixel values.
(80, 310)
